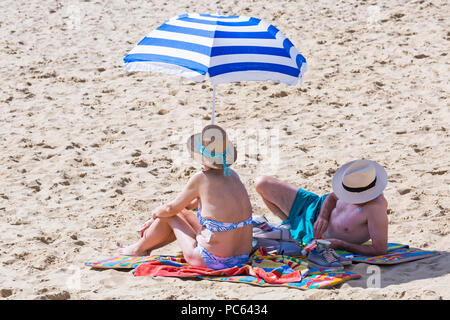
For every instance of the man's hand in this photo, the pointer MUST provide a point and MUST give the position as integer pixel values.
(320, 226)
(336, 244)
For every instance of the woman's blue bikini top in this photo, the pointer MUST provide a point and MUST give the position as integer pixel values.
(217, 226)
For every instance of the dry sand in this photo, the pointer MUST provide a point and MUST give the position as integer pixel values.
(88, 149)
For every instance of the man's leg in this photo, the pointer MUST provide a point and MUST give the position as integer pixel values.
(278, 196)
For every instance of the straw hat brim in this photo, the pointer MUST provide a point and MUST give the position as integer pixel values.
(359, 197)
(215, 163)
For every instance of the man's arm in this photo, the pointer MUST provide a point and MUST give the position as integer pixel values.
(321, 224)
(377, 222)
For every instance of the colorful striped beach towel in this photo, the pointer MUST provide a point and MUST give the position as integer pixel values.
(396, 253)
(263, 269)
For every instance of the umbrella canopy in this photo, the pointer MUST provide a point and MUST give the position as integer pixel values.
(224, 48)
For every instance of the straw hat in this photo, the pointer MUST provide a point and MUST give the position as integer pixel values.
(211, 147)
(359, 181)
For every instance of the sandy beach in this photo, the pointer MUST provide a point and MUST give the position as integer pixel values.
(88, 150)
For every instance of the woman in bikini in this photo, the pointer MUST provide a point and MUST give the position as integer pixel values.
(220, 235)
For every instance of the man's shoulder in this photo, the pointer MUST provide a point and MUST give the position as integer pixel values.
(378, 205)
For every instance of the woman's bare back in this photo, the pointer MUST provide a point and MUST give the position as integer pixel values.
(225, 199)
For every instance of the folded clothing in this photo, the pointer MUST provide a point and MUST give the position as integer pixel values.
(262, 228)
(274, 238)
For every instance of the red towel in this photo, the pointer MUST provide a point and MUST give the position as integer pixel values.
(156, 268)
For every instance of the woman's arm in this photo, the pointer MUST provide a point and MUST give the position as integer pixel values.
(193, 204)
(185, 199)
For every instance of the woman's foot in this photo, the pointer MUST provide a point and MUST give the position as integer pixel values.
(133, 250)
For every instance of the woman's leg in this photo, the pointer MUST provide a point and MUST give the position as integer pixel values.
(191, 218)
(159, 234)
(186, 239)
(156, 236)
(277, 195)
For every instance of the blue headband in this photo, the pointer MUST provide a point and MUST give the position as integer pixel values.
(205, 152)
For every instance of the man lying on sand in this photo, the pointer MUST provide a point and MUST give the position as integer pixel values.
(353, 213)
(220, 236)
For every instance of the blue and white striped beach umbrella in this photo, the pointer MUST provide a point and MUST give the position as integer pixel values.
(224, 48)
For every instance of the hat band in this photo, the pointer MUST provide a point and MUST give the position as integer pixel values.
(371, 185)
(212, 154)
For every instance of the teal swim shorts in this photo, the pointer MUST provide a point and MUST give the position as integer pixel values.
(303, 214)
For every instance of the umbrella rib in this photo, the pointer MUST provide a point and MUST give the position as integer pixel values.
(213, 106)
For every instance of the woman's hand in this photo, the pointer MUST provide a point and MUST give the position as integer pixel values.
(145, 226)
(149, 222)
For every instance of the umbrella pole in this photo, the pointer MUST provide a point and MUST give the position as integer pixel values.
(213, 103)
